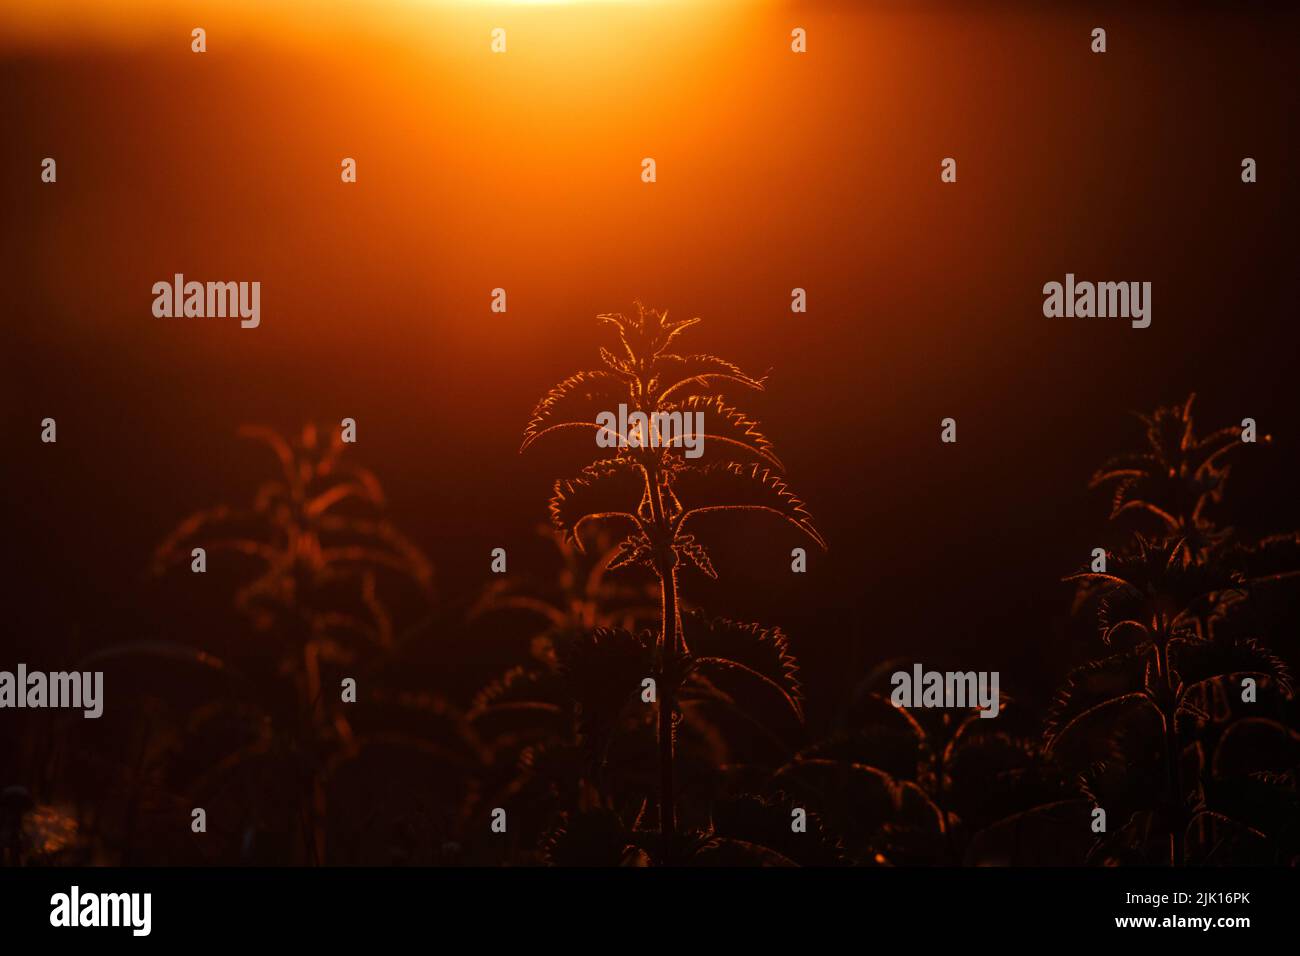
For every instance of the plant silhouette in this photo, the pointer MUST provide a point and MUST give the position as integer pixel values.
(1177, 477)
(1137, 723)
(323, 560)
(1156, 727)
(646, 482)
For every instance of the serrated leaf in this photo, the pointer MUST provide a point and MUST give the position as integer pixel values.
(764, 649)
(692, 550)
(1093, 684)
(647, 333)
(734, 434)
(633, 550)
(607, 490)
(1198, 661)
(699, 374)
(736, 487)
(575, 403)
(613, 363)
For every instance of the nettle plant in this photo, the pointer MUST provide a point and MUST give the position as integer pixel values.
(324, 557)
(646, 479)
(1150, 728)
(1175, 482)
(325, 578)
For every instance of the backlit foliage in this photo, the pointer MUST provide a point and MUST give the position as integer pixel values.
(648, 487)
(1143, 726)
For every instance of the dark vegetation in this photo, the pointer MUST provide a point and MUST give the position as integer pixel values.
(1154, 729)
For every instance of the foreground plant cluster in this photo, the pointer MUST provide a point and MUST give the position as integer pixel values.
(641, 730)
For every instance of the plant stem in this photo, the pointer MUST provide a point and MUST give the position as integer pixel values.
(666, 566)
(1173, 757)
(1177, 836)
(315, 791)
(667, 704)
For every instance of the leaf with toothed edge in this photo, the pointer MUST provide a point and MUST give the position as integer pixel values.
(762, 649)
(736, 487)
(632, 551)
(1198, 661)
(687, 547)
(696, 374)
(646, 334)
(575, 403)
(725, 424)
(601, 491)
(1094, 684)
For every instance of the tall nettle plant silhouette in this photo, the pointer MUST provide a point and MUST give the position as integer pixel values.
(328, 569)
(647, 478)
(1171, 606)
